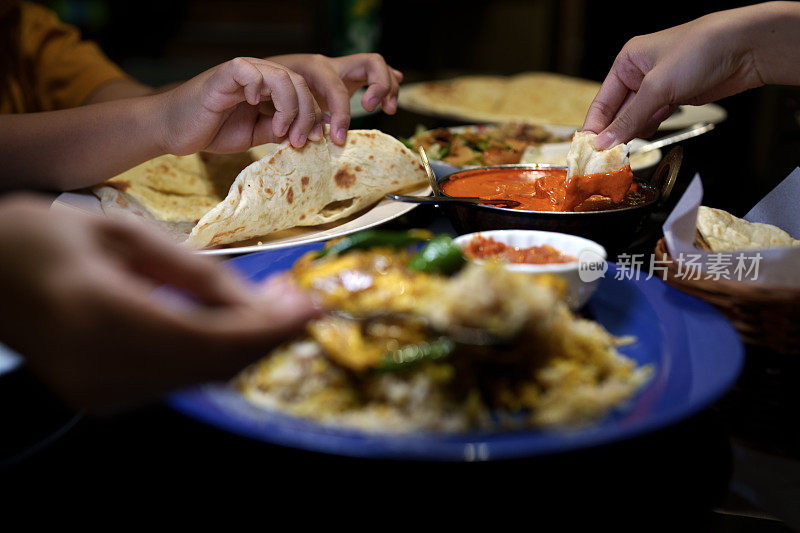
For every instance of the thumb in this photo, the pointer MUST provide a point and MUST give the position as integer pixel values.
(155, 257)
(278, 310)
(295, 305)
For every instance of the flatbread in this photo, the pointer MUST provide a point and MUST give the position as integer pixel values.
(537, 97)
(584, 159)
(724, 232)
(208, 199)
(316, 184)
(174, 189)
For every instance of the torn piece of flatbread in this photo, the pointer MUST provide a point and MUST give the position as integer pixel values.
(584, 159)
(316, 184)
(724, 232)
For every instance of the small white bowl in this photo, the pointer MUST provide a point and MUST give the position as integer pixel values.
(582, 275)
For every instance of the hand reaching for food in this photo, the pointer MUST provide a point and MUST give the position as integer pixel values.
(216, 111)
(220, 110)
(229, 108)
(709, 58)
(85, 284)
(333, 80)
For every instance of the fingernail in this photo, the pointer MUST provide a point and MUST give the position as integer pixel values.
(282, 129)
(316, 133)
(301, 140)
(340, 135)
(605, 140)
(372, 102)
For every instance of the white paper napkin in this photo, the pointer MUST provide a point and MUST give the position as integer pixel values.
(775, 266)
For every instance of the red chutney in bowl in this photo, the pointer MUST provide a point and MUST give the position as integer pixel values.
(480, 247)
(547, 189)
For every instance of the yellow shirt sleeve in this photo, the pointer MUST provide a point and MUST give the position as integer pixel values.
(65, 69)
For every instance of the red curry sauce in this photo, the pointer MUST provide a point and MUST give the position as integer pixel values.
(541, 189)
(480, 247)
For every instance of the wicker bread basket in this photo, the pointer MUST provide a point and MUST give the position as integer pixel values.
(765, 316)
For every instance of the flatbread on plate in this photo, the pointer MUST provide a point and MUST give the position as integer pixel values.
(219, 200)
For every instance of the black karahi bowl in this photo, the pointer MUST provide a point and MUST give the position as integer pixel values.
(615, 229)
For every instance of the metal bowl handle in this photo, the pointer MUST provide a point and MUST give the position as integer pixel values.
(664, 176)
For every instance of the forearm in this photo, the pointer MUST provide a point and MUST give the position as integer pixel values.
(118, 90)
(125, 88)
(774, 30)
(73, 148)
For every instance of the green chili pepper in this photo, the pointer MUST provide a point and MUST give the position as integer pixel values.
(476, 161)
(372, 238)
(411, 355)
(482, 145)
(444, 152)
(440, 255)
(407, 142)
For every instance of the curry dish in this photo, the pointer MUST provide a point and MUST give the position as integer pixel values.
(548, 189)
(430, 341)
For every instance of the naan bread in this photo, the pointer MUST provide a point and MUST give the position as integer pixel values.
(174, 189)
(219, 199)
(724, 232)
(547, 98)
(537, 97)
(316, 184)
(584, 159)
(470, 96)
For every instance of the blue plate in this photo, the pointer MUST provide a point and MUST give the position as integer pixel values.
(695, 352)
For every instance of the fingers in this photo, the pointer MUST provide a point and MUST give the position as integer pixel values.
(634, 118)
(286, 305)
(370, 69)
(389, 100)
(338, 101)
(334, 79)
(230, 84)
(308, 115)
(280, 88)
(609, 100)
(122, 345)
(382, 84)
(297, 114)
(155, 257)
(278, 311)
(253, 81)
(655, 121)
